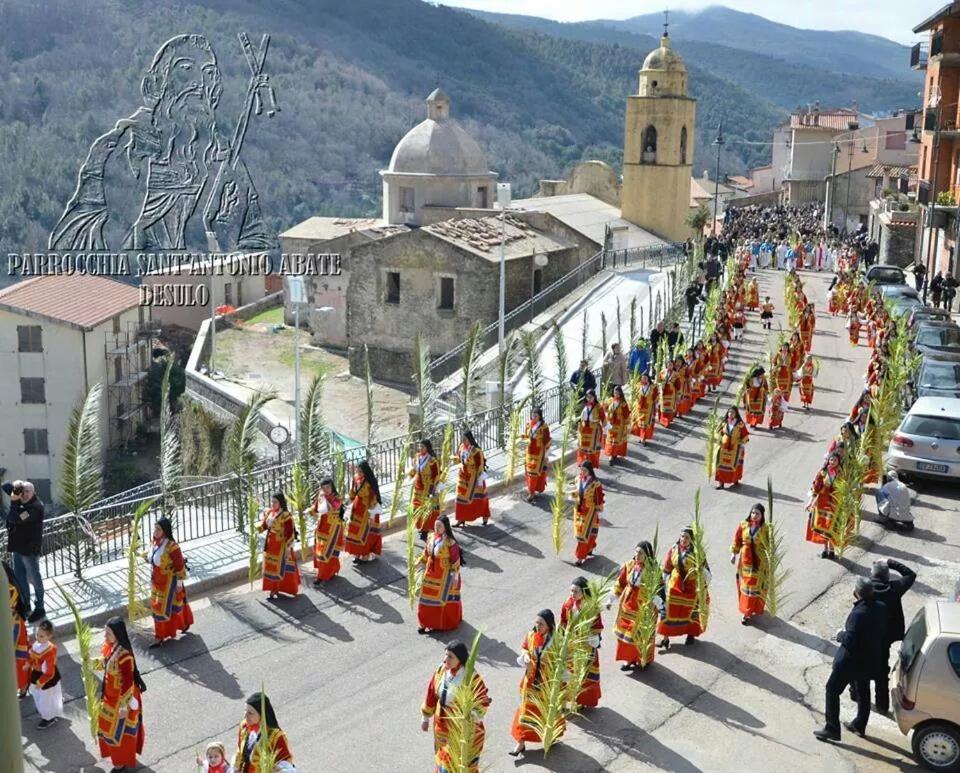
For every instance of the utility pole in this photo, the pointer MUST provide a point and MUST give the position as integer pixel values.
(846, 205)
(716, 190)
(831, 185)
(503, 201)
(934, 234)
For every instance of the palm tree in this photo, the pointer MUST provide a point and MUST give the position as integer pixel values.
(241, 457)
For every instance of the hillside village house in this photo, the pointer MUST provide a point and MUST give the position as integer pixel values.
(430, 264)
(60, 335)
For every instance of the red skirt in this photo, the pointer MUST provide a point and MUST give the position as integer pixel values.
(289, 583)
(124, 754)
(754, 419)
(472, 511)
(440, 617)
(327, 569)
(584, 549)
(684, 406)
(729, 476)
(615, 449)
(521, 732)
(181, 621)
(536, 483)
(594, 458)
(644, 433)
(628, 653)
(749, 605)
(666, 419)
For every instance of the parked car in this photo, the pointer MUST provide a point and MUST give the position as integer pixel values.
(892, 292)
(904, 305)
(937, 377)
(927, 442)
(926, 684)
(886, 275)
(927, 314)
(934, 338)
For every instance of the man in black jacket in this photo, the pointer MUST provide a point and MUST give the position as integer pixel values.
(890, 594)
(582, 381)
(25, 539)
(857, 661)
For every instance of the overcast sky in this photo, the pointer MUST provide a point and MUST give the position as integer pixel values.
(892, 19)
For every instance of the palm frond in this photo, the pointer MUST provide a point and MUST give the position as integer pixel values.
(396, 496)
(414, 567)
(847, 496)
(700, 564)
(81, 476)
(313, 437)
(528, 341)
(603, 333)
(583, 335)
(504, 361)
(91, 685)
(648, 617)
(773, 571)
(253, 540)
(514, 446)
(298, 497)
(559, 506)
(471, 370)
(425, 389)
(464, 737)
(267, 754)
(241, 441)
(550, 697)
(368, 377)
(171, 467)
(446, 456)
(560, 349)
(634, 330)
(135, 606)
(712, 431)
(619, 323)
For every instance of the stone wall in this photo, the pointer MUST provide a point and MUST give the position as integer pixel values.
(897, 243)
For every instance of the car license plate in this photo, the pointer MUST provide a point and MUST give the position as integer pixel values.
(927, 467)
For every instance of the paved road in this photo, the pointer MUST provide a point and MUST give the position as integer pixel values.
(346, 669)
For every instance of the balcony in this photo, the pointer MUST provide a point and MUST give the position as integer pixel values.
(936, 44)
(923, 192)
(945, 52)
(918, 57)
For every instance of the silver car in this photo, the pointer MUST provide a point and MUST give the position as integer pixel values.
(927, 442)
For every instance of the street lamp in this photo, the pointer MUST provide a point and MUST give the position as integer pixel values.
(718, 142)
(503, 204)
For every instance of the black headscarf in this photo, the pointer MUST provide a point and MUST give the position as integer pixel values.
(468, 436)
(425, 442)
(370, 478)
(282, 499)
(646, 548)
(265, 709)
(448, 531)
(21, 607)
(547, 616)
(119, 630)
(459, 650)
(582, 584)
(166, 527)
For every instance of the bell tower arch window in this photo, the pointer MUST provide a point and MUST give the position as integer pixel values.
(649, 155)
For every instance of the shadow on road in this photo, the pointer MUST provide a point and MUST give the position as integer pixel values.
(787, 631)
(65, 744)
(492, 651)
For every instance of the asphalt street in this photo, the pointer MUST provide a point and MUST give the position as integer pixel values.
(346, 669)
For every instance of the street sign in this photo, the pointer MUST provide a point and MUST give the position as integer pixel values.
(296, 289)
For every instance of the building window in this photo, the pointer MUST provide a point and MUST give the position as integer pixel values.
(116, 325)
(683, 145)
(406, 200)
(482, 196)
(228, 294)
(393, 287)
(29, 338)
(42, 486)
(446, 293)
(649, 145)
(537, 280)
(33, 391)
(117, 369)
(35, 442)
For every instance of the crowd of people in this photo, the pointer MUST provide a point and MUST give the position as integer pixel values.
(657, 383)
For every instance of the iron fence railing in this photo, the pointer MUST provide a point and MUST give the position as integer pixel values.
(207, 507)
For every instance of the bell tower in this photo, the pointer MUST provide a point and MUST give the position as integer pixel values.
(658, 146)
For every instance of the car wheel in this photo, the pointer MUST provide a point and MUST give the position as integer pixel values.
(937, 747)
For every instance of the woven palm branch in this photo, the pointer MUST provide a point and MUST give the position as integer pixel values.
(710, 311)
(241, 454)
(396, 496)
(91, 685)
(471, 389)
(745, 381)
(583, 335)
(81, 476)
(171, 467)
(267, 755)
(773, 571)
(559, 506)
(340, 470)
(514, 446)
(550, 698)
(712, 431)
(582, 631)
(464, 742)
(424, 387)
(298, 497)
(560, 349)
(313, 439)
(412, 556)
(368, 380)
(700, 565)
(634, 330)
(651, 585)
(253, 540)
(135, 555)
(531, 354)
(619, 324)
(847, 495)
(663, 352)
(603, 333)
(504, 363)
(445, 459)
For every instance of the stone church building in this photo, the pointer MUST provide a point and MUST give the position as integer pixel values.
(431, 262)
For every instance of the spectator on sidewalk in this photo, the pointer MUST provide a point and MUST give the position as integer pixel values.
(919, 272)
(692, 295)
(674, 338)
(583, 381)
(656, 335)
(639, 362)
(949, 291)
(936, 288)
(858, 660)
(890, 592)
(614, 368)
(893, 503)
(24, 541)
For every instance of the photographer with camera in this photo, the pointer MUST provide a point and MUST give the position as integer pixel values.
(24, 539)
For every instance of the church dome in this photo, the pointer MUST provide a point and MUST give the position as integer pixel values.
(438, 145)
(664, 58)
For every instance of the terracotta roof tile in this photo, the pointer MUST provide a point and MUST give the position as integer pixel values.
(79, 299)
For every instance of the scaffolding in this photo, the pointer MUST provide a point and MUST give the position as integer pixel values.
(128, 355)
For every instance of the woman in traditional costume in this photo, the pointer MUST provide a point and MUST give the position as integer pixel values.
(617, 428)
(853, 327)
(808, 322)
(442, 690)
(281, 572)
(797, 352)
(538, 669)
(821, 507)
(328, 537)
(804, 378)
(21, 639)
(750, 542)
(364, 541)
(782, 373)
(439, 607)
(644, 409)
(168, 599)
(253, 725)
(732, 436)
(589, 695)
(755, 397)
(120, 720)
(588, 500)
(668, 395)
(713, 375)
(753, 295)
(684, 400)
(778, 407)
(472, 502)
(590, 436)
(681, 612)
(538, 446)
(632, 598)
(426, 479)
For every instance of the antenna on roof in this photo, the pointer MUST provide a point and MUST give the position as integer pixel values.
(666, 22)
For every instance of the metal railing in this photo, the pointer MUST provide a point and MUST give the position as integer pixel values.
(205, 508)
(918, 57)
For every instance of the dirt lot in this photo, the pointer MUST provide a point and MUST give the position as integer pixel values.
(260, 355)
